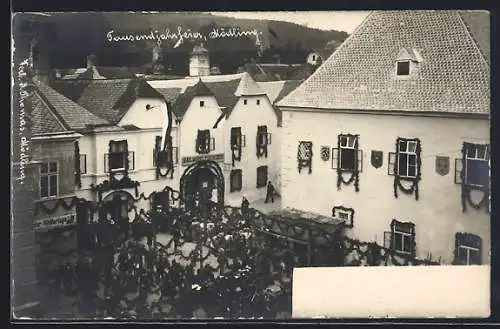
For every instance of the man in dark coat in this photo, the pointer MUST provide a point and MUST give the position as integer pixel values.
(244, 205)
(270, 192)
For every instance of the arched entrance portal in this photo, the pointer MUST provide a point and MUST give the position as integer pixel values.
(204, 181)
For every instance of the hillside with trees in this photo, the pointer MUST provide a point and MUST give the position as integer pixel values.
(79, 34)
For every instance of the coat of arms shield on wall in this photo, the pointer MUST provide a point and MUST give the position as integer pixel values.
(377, 159)
(442, 165)
(325, 153)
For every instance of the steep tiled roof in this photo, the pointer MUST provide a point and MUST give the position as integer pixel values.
(102, 72)
(170, 94)
(44, 121)
(107, 99)
(184, 100)
(248, 87)
(224, 92)
(453, 76)
(272, 89)
(70, 114)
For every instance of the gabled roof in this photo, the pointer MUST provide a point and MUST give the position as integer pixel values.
(277, 90)
(107, 99)
(453, 77)
(170, 94)
(44, 121)
(225, 93)
(184, 100)
(248, 87)
(69, 114)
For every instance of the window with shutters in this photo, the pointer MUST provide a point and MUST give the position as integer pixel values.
(467, 249)
(347, 157)
(49, 179)
(237, 142)
(304, 156)
(204, 143)
(263, 140)
(404, 165)
(401, 238)
(235, 180)
(118, 156)
(261, 176)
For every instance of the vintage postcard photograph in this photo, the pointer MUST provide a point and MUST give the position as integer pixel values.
(250, 165)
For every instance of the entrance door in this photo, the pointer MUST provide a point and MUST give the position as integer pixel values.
(199, 187)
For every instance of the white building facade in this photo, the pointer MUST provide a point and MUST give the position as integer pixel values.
(394, 139)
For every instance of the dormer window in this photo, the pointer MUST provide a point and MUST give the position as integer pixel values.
(403, 68)
(407, 62)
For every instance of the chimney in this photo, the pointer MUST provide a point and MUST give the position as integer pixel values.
(91, 61)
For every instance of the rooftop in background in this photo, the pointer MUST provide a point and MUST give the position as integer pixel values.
(53, 112)
(106, 98)
(453, 77)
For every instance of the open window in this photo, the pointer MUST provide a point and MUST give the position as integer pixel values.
(204, 143)
(347, 157)
(263, 140)
(119, 158)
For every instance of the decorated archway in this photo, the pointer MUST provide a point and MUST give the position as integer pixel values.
(202, 181)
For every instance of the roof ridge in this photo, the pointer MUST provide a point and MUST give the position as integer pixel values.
(349, 38)
(470, 34)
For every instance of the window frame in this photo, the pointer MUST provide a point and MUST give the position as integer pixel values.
(486, 158)
(241, 142)
(259, 169)
(401, 232)
(398, 63)
(347, 146)
(408, 154)
(235, 173)
(307, 160)
(461, 240)
(125, 154)
(49, 174)
(202, 103)
(209, 142)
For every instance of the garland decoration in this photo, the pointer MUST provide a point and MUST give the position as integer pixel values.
(78, 178)
(353, 171)
(467, 188)
(414, 180)
(350, 211)
(164, 159)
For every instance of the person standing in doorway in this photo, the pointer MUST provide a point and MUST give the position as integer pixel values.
(270, 192)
